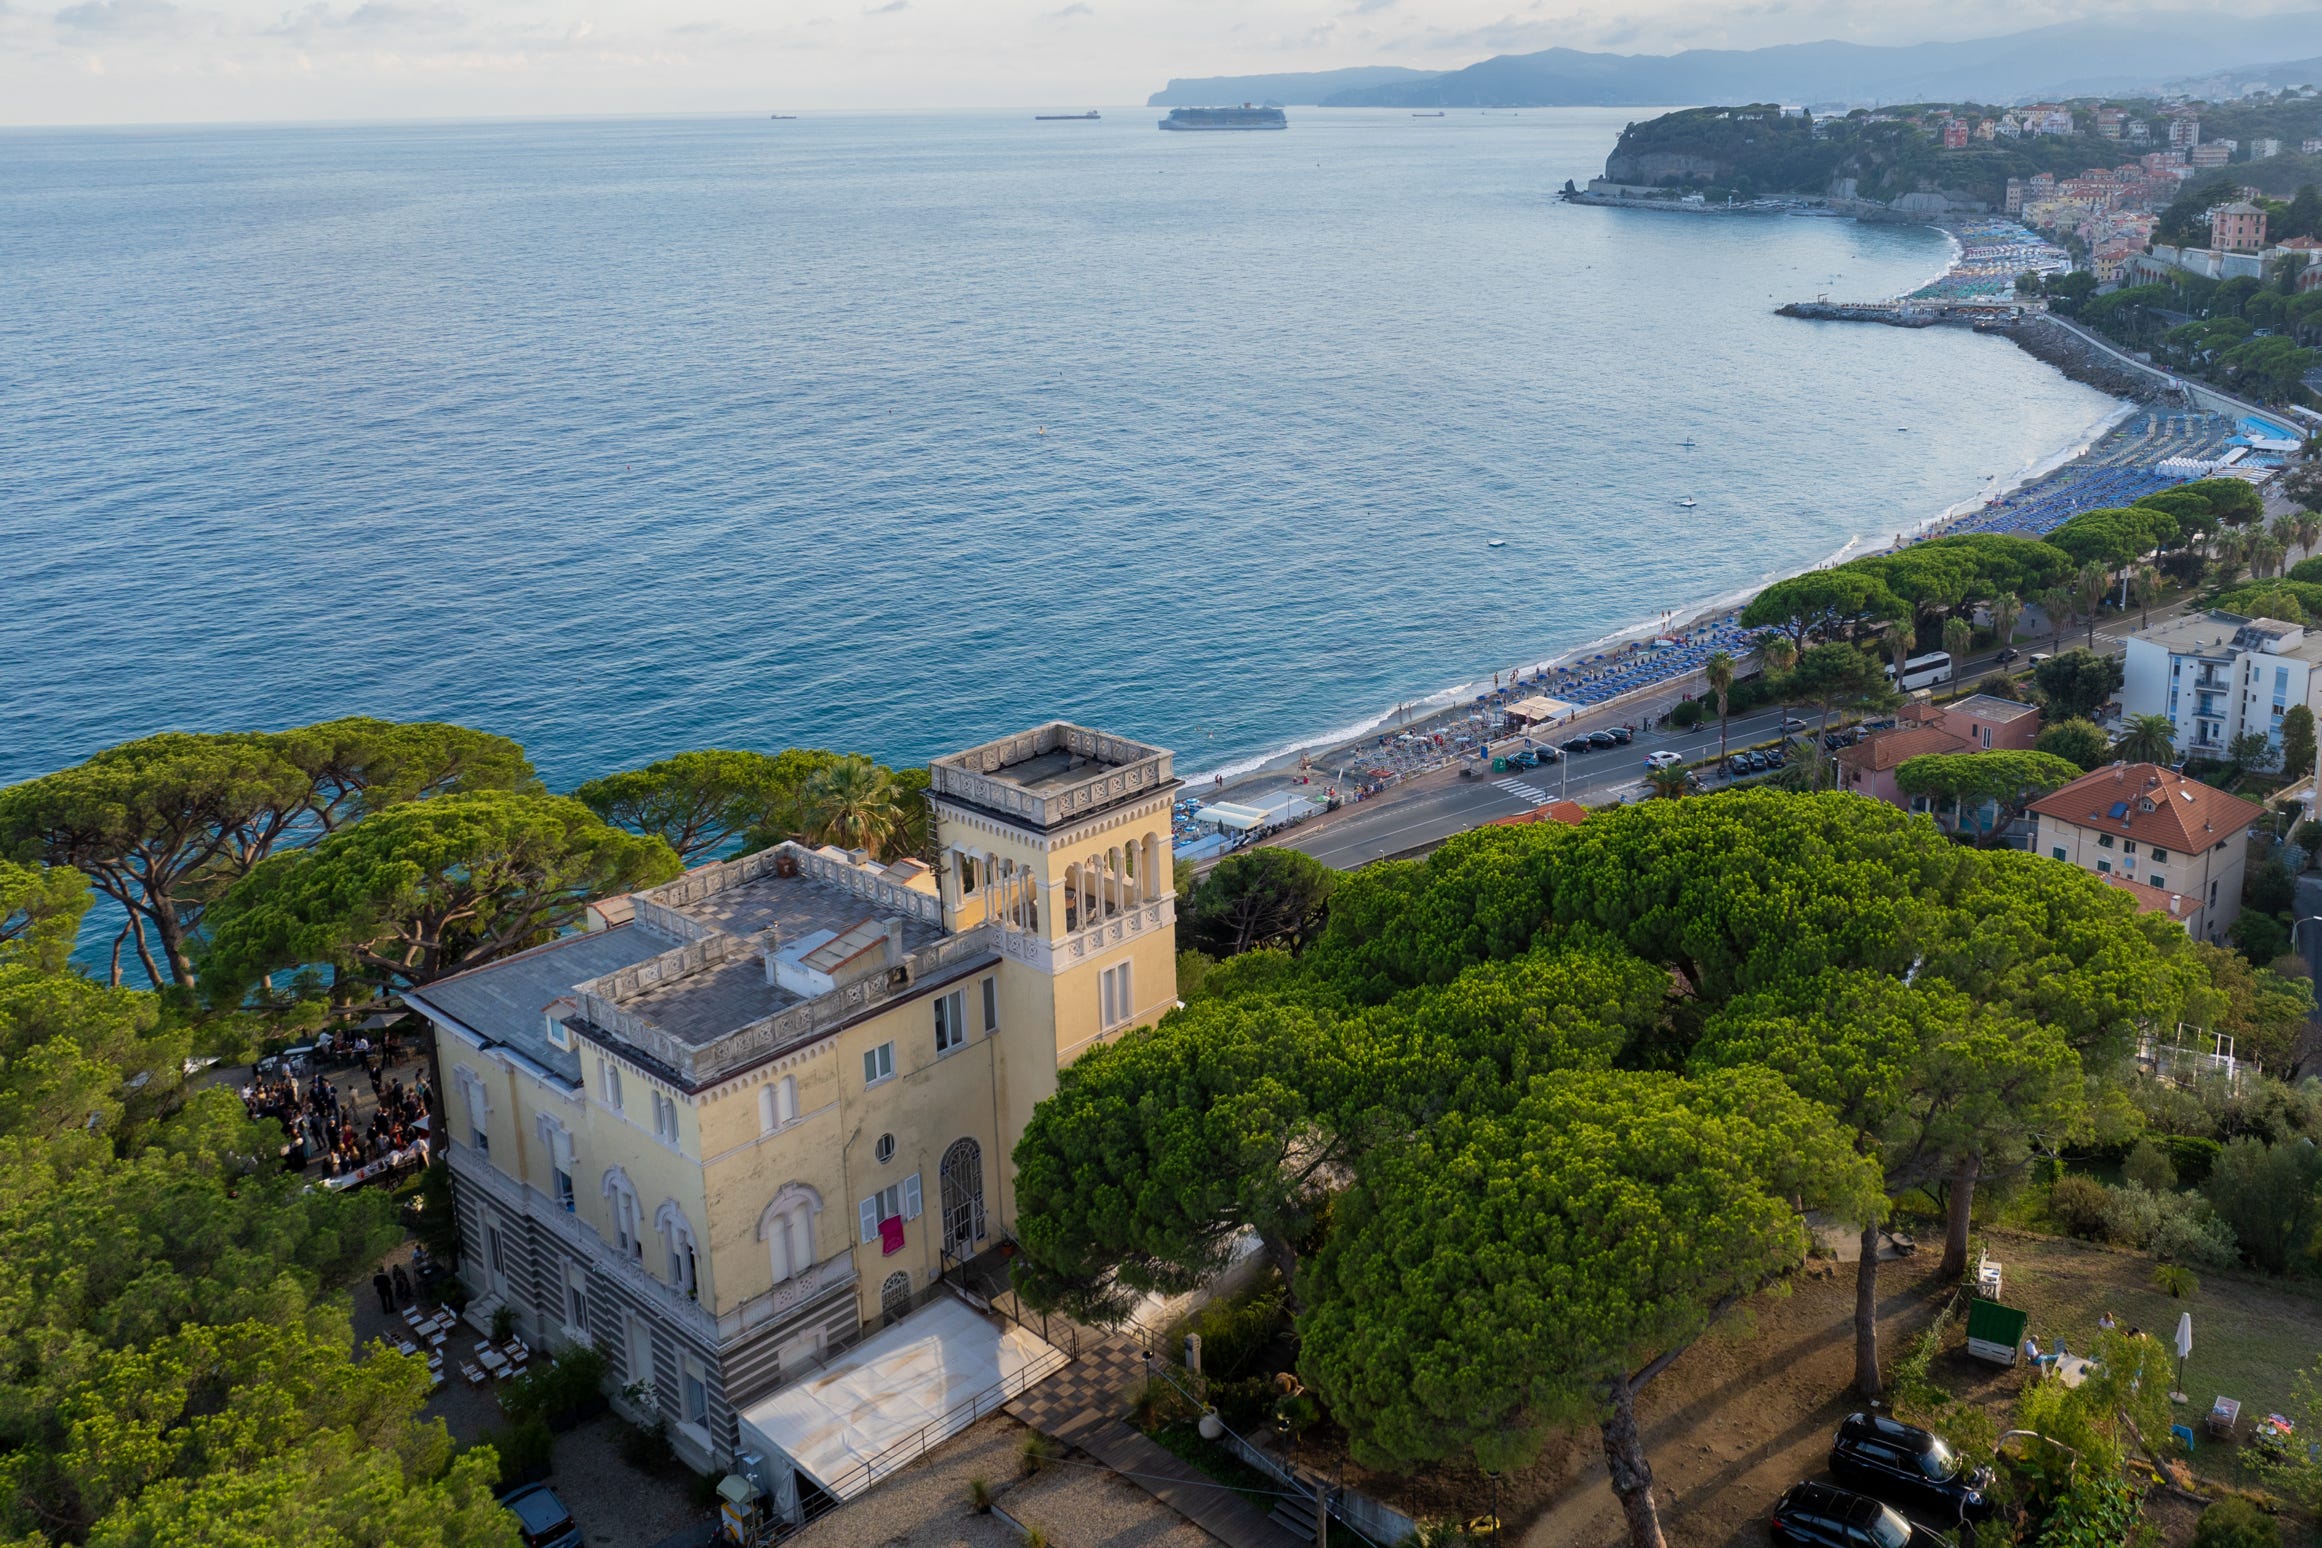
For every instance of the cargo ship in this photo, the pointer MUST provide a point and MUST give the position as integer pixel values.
(1247, 116)
(1065, 118)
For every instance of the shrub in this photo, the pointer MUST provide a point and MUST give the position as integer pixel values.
(556, 1386)
(503, 1324)
(2178, 1227)
(1234, 1332)
(1686, 715)
(2081, 1205)
(1032, 1454)
(2266, 1194)
(2308, 836)
(980, 1496)
(523, 1449)
(2233, 1522)
(2176, 1281)
(2192, 1155)
(2149, 1166)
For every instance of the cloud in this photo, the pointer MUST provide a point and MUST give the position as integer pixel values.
(118, 18)
(889, 9)
(1366, 7)
(1070, 11)
(372, 18)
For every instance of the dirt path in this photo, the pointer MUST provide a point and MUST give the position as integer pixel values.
(1745, 1414)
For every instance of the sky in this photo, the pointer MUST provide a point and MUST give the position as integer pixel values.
(148, 61)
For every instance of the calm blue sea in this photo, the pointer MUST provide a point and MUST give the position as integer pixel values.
(892, 433)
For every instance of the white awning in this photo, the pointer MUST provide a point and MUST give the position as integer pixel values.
(889, 1399)
(1538, 708)
(1225, 814)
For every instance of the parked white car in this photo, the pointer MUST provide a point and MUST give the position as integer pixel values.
(1662, 760)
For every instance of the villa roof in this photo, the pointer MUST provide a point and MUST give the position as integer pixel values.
(2152, 900)
(1883, 750)
(2146, 801)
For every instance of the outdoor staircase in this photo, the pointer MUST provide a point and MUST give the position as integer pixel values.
(1295, 1515)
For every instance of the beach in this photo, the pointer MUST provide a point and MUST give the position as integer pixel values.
(1636, 674)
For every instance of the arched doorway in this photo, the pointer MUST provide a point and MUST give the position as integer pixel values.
(961, 1177)
(895, 1299)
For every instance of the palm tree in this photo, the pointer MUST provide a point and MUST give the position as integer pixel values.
(1900, 644)
(2306, 527)
(1720, 674)
(2056, 602)
(2231, 553)
(2264, 555)
(1670, 783)
(2088, 589)
(854, 803)
(2006, 611)
(2147, 739)
(1958, 638)
(2145, 586)
(1778, 653)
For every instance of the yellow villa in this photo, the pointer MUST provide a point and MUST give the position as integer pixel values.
(749, 1116)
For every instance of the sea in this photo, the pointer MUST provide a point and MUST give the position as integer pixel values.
(895, 432)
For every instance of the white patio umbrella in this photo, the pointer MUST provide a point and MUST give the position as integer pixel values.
(2184, 1351)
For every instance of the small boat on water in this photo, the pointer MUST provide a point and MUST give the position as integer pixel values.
(1066, 118)
(1689, 442)
(1437, 114)
(783, 118)
(1688, 502)
(1497, 543)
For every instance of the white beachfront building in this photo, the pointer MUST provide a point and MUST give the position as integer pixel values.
(2218, 675)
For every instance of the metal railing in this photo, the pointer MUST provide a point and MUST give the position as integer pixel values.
(1374, 1523)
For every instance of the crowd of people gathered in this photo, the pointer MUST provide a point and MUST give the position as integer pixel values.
(323, 1119)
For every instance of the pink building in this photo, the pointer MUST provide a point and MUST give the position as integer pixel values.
(2239, 227)
(1978, 723)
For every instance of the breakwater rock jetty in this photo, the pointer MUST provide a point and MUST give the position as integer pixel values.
(2033, 330)
(1893, 316)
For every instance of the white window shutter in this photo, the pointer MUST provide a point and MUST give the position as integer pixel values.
(869, 1211)
(911, 1197)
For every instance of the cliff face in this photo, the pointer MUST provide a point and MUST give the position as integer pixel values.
(1662, 167)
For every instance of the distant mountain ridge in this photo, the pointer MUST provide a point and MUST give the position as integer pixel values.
(2068, 58)
(1294, 90)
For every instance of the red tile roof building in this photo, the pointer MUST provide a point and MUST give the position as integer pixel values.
(2154, 826)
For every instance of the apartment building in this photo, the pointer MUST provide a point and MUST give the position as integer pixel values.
(2218, 675)
(756, 1112)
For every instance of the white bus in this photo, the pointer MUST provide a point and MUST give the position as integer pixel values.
(1923, 671)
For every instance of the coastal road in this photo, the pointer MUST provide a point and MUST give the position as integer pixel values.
(1426, 811)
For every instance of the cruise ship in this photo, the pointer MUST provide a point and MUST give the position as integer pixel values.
(1247, 116)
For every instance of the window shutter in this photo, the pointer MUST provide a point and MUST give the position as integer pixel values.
(991, 1005)
(911, 1197)
(868, 1211)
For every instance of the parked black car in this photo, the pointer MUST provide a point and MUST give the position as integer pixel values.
(1548, 755)
(1602, 739)
(1580, 743)
(541, 1518)
(1911, 1467)
(1620, 734)
(1818, 1515)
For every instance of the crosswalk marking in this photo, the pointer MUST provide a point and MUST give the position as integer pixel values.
(1521, 790)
